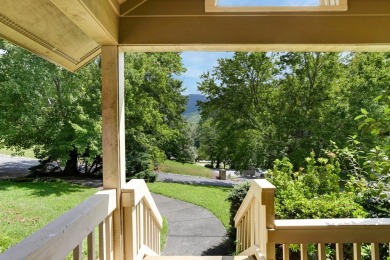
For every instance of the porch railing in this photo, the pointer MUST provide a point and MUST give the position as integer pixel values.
(91, 222)
(142, 221)
(256, 225)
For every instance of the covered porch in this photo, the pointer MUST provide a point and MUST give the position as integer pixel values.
(123, 216)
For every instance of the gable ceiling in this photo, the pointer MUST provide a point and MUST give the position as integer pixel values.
(70, 32)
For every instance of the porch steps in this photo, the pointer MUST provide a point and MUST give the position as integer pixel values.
(199, 258)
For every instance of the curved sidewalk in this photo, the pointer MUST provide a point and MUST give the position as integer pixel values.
(192, 230)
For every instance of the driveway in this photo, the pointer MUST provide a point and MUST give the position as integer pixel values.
(11, 166)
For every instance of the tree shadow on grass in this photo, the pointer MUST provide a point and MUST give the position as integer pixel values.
(41, 188)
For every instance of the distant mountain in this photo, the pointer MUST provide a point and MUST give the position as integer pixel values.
(192, 103)
(192, 111)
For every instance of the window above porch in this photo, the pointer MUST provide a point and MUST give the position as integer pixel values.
(275, 5)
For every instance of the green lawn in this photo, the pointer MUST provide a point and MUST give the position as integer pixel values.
(185, 169)
(28, 206)
(212, 198)
(164, 234)
(26, 153)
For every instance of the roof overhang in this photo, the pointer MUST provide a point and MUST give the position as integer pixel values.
(70, 32)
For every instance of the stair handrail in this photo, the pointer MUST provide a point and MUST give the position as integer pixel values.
(142, 221)
(255, 215)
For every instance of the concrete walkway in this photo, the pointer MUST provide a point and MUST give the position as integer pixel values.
(193, 231)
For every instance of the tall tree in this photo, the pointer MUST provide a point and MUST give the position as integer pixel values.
(305, 99)
(239, 92)
(154, 105)
(48, 108)
(265, 106)
(59, 113)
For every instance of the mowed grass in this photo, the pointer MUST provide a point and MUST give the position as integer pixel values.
(25, 153)
(185, 169)
(164, 234)
(28, 206)
(212, 198)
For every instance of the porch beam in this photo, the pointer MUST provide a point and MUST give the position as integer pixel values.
(97, 18)
(112, 60)
(283, 33)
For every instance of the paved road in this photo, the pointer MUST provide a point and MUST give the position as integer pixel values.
(169, 177)
(12, 166)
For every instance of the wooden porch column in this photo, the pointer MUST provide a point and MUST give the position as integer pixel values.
(112, 62)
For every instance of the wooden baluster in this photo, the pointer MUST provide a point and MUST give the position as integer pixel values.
(157, 238)
(78, 252)
(91, 246)
(375, 251)
(150, 219)
(339, 251)
(110, 234)
(244, 233)
(141, 223)
(145, 223)
(252, 228)
(238, 247)
(152, 234)
(102, 241)
(286, 252)
(303, 252)
(321, 251)
(256, 219)
(357, 251)
(158, 241)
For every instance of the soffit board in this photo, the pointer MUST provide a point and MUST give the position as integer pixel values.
(42, 28)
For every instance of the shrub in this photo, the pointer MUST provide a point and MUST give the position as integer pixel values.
(236, 197)
(148, 176)
(313, 191)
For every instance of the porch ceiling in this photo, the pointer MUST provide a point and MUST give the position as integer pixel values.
(70, 32)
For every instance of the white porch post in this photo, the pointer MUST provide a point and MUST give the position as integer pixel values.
(112, 62)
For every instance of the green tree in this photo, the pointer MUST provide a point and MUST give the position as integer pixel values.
(48, 108)
(267, 106)
(59, 113)
(154, 104)
(305, 116)
(239, 92)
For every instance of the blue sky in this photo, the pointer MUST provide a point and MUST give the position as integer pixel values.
(196, 63)
(268, 2)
